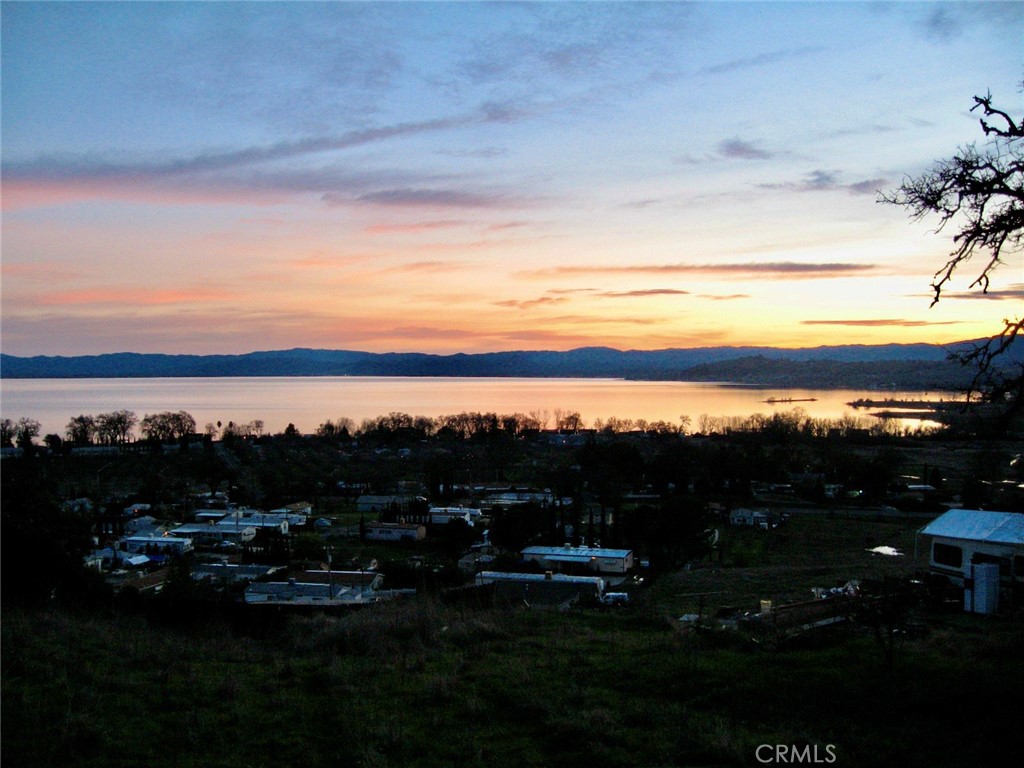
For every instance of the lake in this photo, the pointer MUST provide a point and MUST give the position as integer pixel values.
(307, 402)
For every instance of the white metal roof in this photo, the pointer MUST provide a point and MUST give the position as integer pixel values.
(978, 525)
(487, 576)
(576, 553)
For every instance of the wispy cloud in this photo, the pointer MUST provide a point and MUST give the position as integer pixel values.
(789, 269)
(643, 294)
(48, 272)
(606, 320)
(564, 291)
(412, 227)
(1012, 293)
(249, 172)
(883, 323)
(427, 266)
(739, 149)
(727, 297)
(761, 60)
(89, 167)
(530, 303)
(505, 225)
(645, 203)
(440, 198)
(132, 296)
(329, 261)
(821, 180)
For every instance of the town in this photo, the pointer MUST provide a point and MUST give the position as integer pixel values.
(389, 542)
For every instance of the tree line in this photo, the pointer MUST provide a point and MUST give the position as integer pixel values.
(119, 427)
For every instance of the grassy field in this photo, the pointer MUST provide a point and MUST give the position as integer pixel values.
(433, 685)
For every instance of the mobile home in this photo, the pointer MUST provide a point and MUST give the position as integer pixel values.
(962, 538)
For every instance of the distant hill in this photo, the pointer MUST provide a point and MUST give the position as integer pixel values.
(832, 374)
(856, 366)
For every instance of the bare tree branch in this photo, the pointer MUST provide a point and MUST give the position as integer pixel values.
(981, 192)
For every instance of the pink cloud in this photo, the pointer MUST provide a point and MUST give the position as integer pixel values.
(542, 301)
(20, 194)
(790, 269)
(412, 227)
(131, 296)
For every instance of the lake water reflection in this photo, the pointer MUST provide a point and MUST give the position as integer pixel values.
(307, 402)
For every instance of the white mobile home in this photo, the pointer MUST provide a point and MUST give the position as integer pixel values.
(445, 515)
(378, 531)
(581, 558)
(753, 518)
(962, 538)
(157, 545)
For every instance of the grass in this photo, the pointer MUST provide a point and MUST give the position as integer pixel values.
(431, 685)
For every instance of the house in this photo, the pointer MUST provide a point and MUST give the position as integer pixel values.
(549, 590)
(581, 558)
(753, 517)
(371, 504)
(144, 526)
(274, 522)
(93, 561)
(210, 515)
(445, 515)
(303, 508)
(506, 499)
(157, 545)
(230, 573)
(212, 535)
(378, 531)
(963, 538)
(325, 588)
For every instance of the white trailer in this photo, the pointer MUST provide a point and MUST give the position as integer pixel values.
(964, 538)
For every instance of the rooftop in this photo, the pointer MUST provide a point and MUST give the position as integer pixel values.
(575, 553)
(978, 525)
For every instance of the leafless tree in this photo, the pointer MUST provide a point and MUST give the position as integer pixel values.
(980, 191)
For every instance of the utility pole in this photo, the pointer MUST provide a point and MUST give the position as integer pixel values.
(330, 573)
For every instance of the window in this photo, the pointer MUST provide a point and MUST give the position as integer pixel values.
(1018, 566)
(946, 554)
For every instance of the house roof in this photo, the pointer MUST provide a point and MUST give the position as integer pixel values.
(342, 578)
(232, 572)
(488, 576)
(978, 525)
(576, 553)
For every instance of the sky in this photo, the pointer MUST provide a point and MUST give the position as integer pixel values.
(468, 177)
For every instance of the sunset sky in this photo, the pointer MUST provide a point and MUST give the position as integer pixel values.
(468, 177)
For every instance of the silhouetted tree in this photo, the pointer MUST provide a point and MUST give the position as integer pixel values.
(26, 430)
(115, 428)
(6, 433)
(980, 190)
(81, 430)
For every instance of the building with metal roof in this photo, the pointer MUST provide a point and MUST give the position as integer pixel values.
(586, 558)
(338, 588)
(978, 525)
(963, 538)
(541, 590)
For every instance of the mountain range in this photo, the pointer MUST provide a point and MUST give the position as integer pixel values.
(847, 366)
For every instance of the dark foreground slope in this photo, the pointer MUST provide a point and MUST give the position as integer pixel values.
(419, 684)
